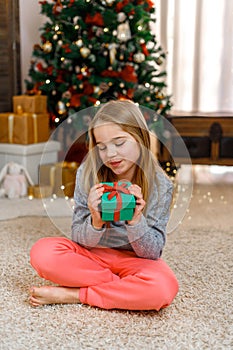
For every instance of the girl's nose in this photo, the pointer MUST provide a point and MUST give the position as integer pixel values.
(111, 151)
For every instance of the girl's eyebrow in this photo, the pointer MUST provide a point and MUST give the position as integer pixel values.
(113, 139)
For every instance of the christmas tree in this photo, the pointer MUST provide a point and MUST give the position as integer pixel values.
(95, 51)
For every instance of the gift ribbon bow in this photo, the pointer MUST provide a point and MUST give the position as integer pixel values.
(115, 191)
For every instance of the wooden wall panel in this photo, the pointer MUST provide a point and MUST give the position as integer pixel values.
(9, 53)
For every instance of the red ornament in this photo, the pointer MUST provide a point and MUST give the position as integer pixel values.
(121, 4)
(60, 76)
(150, 5)
(79, 76)
(50, 70)
(92, 99)
(57, 8)
(110, 73)
(39, 67)
(87, 88)
(130, 93)
(66, 48)
(75, 100)
(128, 74)
(144, 49)
(52, 116)
(131, 13)
(97, 19)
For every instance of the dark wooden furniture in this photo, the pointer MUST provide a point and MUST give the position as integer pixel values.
(208, 138)
(9, 53)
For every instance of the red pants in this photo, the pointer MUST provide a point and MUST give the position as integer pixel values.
(107, 278)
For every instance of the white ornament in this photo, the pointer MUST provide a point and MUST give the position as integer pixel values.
(92, 58)
(123, 31)
(79, 42)
(109, 2)
(121, 17)
(139, 57)
(75, 19)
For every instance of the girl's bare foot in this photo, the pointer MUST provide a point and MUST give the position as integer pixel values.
(53, 295)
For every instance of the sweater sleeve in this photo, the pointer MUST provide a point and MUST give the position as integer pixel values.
(82, 230)
(148, 237)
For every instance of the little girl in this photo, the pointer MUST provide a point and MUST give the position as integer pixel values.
(117, 264)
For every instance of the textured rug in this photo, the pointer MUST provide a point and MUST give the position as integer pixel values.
(200, 253)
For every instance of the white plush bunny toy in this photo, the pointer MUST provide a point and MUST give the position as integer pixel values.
(14, 179)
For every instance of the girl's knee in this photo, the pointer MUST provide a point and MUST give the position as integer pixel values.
(166, 291)
(162, 288)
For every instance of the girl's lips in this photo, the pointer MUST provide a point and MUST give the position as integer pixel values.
(115, 164)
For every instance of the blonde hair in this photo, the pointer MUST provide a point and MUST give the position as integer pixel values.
(129, 117)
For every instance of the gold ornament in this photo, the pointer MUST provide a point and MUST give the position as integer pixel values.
(85, 52)
(159, 61)
(112, 52)
(47, 46)
(96, 90)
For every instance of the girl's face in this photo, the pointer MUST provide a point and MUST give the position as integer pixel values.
(117, 149)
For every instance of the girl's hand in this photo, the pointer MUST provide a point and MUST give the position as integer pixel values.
(94, 199)
(140, 204)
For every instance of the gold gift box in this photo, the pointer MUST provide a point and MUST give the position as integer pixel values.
(60, 176)
(30, 104)
(25, 128)
(38, 191)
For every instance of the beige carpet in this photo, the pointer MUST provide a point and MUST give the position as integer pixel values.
(199, 251)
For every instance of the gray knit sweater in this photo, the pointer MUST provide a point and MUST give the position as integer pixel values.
(146, 239)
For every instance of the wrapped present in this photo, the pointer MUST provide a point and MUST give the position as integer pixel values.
(30, 104)
(25, 128)
(60, 176)
(38, 191)
(117, 204)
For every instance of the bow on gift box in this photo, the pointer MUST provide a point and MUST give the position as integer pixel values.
(115, 191)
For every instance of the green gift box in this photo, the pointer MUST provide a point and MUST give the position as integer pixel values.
(117, 204)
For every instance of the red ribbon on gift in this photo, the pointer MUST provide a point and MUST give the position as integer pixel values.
(115, 191)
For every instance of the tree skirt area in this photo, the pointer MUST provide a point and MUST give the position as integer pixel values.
(200, 253)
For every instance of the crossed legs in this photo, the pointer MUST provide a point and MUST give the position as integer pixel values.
(101, 277)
